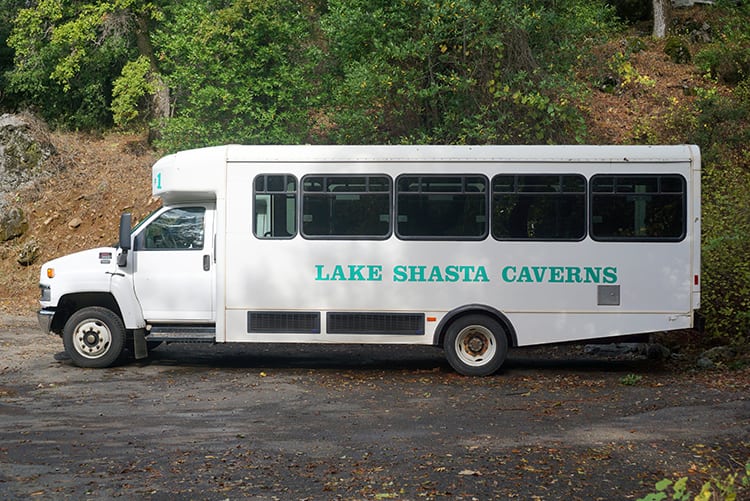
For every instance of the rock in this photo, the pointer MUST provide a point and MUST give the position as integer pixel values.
(28, 254)
(74, 223)
(677, 50)
(13, 223)
(24, 148)
(656, 351)
(719, 354)
(614, 349)
(705, 363)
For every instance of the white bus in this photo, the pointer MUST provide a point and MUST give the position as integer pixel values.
(471, 248)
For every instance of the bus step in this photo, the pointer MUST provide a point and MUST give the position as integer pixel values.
(182, 334)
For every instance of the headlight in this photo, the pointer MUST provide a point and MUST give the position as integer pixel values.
(46, 291)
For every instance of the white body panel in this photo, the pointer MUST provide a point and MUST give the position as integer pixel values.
(656, 279)
(548, 291)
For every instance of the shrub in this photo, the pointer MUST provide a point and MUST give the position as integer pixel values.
(677, 50)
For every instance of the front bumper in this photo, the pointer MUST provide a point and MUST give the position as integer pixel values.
(45, 320)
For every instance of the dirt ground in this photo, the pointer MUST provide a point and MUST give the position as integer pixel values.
(277, 422)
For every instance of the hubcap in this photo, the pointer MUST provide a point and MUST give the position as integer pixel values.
(92, 338)
(475, 345)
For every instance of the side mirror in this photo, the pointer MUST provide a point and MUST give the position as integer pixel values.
(125, 222)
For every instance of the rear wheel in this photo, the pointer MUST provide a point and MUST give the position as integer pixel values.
(94, 337)
(475, 345)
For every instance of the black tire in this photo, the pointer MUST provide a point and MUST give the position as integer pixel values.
(475, 345)
(94, 337)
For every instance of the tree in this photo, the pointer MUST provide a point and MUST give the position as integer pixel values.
(465, 71)
(68, 54)
(243, 73)
(662, 14)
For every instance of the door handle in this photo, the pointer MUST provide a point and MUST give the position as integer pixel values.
(206, 262)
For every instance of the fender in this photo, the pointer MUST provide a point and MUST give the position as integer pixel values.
(121, 287)
(437, 339)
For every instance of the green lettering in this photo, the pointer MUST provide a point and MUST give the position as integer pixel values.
(610, 275)
(556, 274)
(451, 274)
(399, 273)
(539, 272)
(435, 275)
(319, 272)
(525, 275)
(338, 273)
(375, 272)
(416, 273)
(481, 275)
(467, 272)
(574, 275)
(509, 274)
(592, 275)
(355, 272)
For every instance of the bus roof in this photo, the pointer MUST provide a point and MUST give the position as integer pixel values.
(198, 174)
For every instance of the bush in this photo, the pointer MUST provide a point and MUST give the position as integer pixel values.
(677, 50)
(722, 128)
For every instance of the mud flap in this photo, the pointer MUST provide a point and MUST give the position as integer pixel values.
(139, 344)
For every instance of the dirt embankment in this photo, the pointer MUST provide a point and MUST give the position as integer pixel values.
(76, 207)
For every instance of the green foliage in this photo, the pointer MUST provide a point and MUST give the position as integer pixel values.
(67, 55)
(723, 129)
(237, 74)
(677, 50)
(727, 488)
(469, 71)
(132, 86)
(727, 58)
(627, 74)
(631, 379)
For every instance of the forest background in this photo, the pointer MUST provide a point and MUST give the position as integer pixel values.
(203, 72)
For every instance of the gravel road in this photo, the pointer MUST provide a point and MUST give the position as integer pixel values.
(356, 422)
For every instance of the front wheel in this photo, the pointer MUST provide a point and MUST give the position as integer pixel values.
(94, 337)
(475, 345)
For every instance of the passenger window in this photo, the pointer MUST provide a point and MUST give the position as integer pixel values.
(346, 206)
(440, 207)
(539, 207)
(638, 207)
(174, 229)
(275, 209)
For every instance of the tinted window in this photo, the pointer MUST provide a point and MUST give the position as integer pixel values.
(539, 207)
(441, 207)
(346, 206)
(638, 207)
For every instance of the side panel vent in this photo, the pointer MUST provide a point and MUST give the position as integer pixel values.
(283, 321)
(411, 324)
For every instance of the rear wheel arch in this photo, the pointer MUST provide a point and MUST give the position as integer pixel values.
(475, 309)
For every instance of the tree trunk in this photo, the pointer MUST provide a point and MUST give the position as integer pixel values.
(662, 11)
(160, 105)
(518, 55)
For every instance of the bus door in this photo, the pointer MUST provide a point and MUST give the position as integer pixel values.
(174, 270)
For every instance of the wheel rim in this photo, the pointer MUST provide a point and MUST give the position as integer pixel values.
(475, 345)
(92, 338)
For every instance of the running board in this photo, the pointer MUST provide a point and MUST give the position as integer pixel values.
(182, 334)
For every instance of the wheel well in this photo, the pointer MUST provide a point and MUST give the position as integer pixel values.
(453, 315)
(71, 303)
